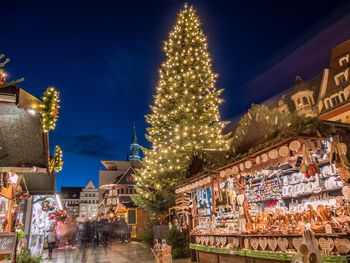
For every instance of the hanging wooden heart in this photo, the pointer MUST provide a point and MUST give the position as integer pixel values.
(263, 242)
(246, 243)
(326, 244)
(254, 242)
(212, 240)
(272, 242)
(342, 245)
(282, 243)
(297, 242)
(235, 243)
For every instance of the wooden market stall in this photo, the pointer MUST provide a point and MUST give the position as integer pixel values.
(257, 207)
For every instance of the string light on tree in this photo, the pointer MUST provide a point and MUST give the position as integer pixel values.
(50, 109)
(184, 115)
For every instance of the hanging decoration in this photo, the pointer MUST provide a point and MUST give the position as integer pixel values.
(50, 109)
(56, 163)
(3, 74)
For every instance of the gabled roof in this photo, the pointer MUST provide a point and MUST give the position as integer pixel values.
(123, 179)
(90, 185)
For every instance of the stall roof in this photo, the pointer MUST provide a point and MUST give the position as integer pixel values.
(338, 128)
(23, 144)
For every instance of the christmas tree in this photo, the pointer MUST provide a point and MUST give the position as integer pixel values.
(184, 116)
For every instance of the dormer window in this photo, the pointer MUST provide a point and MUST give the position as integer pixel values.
(335, 100)
(305, 101)
(344, 60)
(342, 77)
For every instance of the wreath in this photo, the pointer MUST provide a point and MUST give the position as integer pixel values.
(50, 109)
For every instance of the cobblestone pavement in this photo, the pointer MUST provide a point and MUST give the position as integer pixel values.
(133, 252)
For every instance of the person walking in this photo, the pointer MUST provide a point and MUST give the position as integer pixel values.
(50, 235)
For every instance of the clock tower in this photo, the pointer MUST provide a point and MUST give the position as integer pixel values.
(134, 147)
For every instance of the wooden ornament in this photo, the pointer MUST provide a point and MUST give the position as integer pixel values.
(223, 241)
(342, 245)
(263, 242)
(264, 158)
(283, 151)
(346, 192)
(235, 170)
(241, 167)
(296, 242)
(222, 174)
(326, 244)
(258, 160)
(246, 243)
(212, 240)
(228, 172)
(282, 243)
(248, 164)
(254, 242)
(273, 154)
(294, 145)
(235, 243)
(272, 242)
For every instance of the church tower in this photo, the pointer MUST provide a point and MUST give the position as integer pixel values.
(134, 148)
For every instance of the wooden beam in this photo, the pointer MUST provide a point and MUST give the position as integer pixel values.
(23, 170)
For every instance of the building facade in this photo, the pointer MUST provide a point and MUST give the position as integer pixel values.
(117, 185)
(326, 95)
(70, 198)
(88, 201)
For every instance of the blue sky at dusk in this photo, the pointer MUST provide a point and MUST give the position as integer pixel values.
(104, 56)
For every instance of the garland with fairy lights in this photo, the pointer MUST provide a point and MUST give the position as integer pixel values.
(57, 160)
(50, 109)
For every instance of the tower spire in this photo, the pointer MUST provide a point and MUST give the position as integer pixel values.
(134, 147)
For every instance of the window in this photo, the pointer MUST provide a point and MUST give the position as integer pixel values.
(327, 103)
(299, 101)
(122, 191)
(344, 60)
(341, 79)
(131, 217)
(305, 101)
(126, 190)
(336, 100)
(342, 96)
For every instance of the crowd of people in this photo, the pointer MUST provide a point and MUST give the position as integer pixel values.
(85, 233)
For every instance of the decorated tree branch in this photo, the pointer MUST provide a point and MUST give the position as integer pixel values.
(3, 75)
(50, 109)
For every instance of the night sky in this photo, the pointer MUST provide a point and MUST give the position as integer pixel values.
(104, 56)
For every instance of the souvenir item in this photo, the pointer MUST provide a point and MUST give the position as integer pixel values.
(294, 145)
(248, 164)
(296, 242)
(282, 243)
(264, 158)
(241, 167)
(273, 154)
(263, 242)
(235, 242)
(326, 244)
(272, 242)
(235, 170)
(246, 243)
(342, 245)
(283, 151)
(258, 160)
(346, 192)
(254, 242)
(222, 174)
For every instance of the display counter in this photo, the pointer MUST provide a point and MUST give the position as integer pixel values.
(287, 200)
